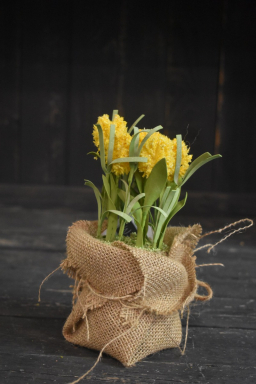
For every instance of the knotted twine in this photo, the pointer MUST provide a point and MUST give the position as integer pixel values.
(126, 300)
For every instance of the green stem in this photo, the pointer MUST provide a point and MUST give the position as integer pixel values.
(154, 243)
(112, 224)
(145, 229)
(121, 229)
(140, 232)
(139, 241)
(112, 218)
(99, 230)
(122, 225)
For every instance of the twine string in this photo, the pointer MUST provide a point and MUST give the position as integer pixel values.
(44, 280)
(211, 246)
(186, 336)
(108, 297)
(106, 345)
(208, 289)
(123, 334)
(75, 296)
(209, 265)
(84, 309)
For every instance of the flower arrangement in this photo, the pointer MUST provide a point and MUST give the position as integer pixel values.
(143, 173)
(130, 292)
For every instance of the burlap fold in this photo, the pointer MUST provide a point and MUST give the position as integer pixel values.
(129, 295)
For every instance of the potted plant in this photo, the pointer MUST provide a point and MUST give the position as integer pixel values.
(134, 275)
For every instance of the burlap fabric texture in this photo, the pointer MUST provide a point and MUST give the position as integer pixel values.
(129, 295)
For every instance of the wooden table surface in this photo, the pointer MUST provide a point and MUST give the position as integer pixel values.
(222, 332)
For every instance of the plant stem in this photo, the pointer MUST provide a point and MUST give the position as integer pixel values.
(99, 230)
(139, 241)
(121, 229)
(112, 224)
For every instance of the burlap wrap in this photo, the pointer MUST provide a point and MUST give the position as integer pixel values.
(129, 294)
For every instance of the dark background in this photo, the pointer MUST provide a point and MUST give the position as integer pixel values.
(64, 63)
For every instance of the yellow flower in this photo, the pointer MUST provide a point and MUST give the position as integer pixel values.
(159, 146)
(122, 141)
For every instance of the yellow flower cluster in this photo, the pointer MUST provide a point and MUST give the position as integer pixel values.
(155, 148)
(159, 146)
(122, 141)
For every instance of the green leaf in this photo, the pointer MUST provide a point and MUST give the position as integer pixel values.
(134, 144)
(137, 140)
(171, 184)
(198, 163)
(139, 241)
(97, 195)
(133, 202)
(165, 195)
(121, 194)
(110, 203)
(113, 188)
(169, 204)
(151, 131)
(155, 184)
(127, 193)
(137, 208)
(139, 181)
(160, 210)
(125, 177)
(151, 221)
(178, 158)
(137, 212)
(111, 143)
(130, 160)
(171, 201)
(178, 207)
(102, 149)
(151, 206)
(104, 199)
(112, 226)
(121, 214)
(154, 187)
(94, 154)
(115, 112)
(125, 185)
(135, 123)
(106, 185)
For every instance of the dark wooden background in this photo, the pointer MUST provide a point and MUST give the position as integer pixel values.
(63, 63)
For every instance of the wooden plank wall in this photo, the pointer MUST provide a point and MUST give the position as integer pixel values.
(63, 63)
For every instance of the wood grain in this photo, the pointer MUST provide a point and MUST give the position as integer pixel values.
(94, 87)
(64, 63)
(192, 45)
(201, 204)
(221, 341)
(42, 353)
(235, 137)
(10, 92)
(45, 79)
